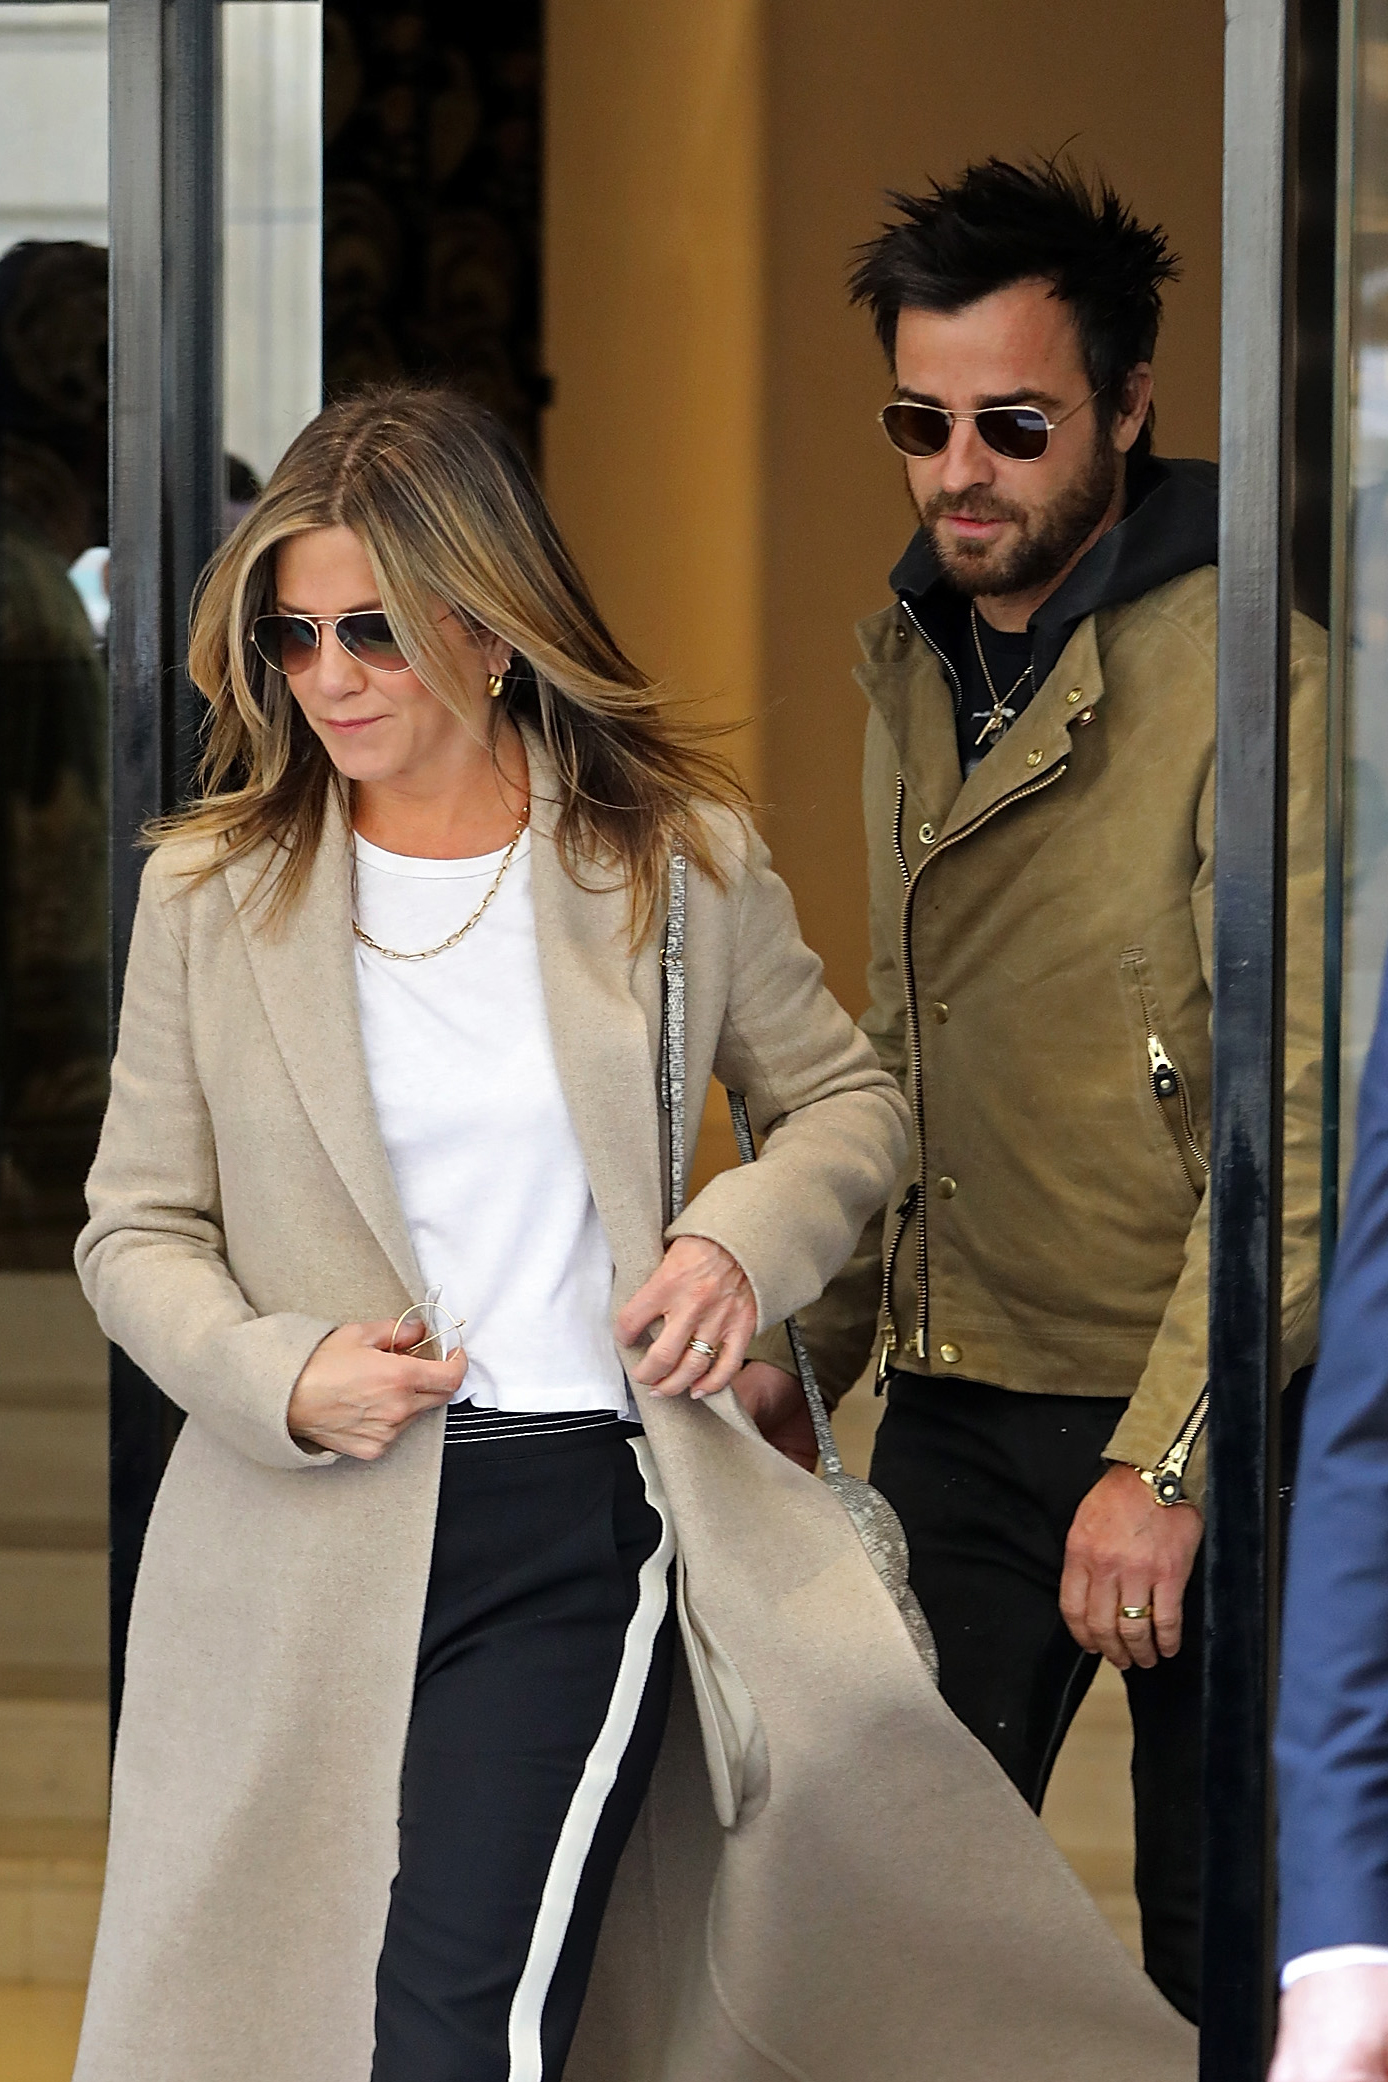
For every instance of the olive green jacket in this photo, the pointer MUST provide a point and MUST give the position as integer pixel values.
(1040, 986)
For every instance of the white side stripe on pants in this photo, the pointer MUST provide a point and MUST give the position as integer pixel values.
(599, 1775)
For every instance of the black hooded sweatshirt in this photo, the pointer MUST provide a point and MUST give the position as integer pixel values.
(1171, 526)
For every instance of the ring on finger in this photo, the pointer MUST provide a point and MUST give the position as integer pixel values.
(709, 1352)
(1135, 1612)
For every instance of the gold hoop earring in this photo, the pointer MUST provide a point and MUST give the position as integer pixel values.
(495, 683)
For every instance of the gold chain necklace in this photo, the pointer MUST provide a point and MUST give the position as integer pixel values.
(428, 953)
(995, 725)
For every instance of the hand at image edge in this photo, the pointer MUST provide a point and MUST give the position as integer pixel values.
(1333, 2027)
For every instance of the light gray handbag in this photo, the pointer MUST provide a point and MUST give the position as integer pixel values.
(874, 1520)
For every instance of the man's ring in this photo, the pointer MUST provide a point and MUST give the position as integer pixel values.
(696, 1344)
(1135, 1611)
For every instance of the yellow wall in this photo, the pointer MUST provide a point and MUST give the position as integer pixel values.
(653, 298)
(712, 450)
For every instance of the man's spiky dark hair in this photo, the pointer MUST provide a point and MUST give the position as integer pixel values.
(1001, 223)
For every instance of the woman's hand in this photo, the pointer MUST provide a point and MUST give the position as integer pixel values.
(701, 1291)
(356, 1396)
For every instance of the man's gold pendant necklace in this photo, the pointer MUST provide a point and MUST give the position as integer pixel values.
(1002, 715)
(428, 953)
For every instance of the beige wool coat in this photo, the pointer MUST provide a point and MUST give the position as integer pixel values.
(830, 1879)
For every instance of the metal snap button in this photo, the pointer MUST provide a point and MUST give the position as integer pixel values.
(951, 1354)
(927, 834)
(902, 633)
(947, 1188)
(1086, 715)
(939, 1012)
(1075, 694)
(1033, 758)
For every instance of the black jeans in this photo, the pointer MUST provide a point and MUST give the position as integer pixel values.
(986, 1482)
(544, 1681)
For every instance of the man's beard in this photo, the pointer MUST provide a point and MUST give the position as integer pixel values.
(1047, 537)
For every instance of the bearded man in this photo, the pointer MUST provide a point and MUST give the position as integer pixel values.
(1039, 798)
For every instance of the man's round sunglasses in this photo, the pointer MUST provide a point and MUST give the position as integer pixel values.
(289, 642)
(1022, 433)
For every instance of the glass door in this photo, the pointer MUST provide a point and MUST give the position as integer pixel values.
(206, 250)
(53, 612)
(54, 801)
(1359, 626)
(272, 187)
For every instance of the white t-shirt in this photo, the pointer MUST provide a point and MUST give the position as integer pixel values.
(489, 1170)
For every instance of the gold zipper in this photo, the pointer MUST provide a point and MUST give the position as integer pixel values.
(1166, 1086)
(909, 983)
(1167, 1480)
(966, 831)
(886, 1328)
(913, 1035)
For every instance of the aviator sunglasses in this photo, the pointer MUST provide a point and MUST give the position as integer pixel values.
(1021, 433)
(288, 642)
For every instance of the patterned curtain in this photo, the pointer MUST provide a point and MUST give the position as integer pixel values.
(431, 168)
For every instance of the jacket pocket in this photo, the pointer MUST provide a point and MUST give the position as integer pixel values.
(1169, 1089)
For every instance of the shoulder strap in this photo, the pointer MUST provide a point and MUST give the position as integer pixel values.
(819, 1415)
(672, 1092)
(672, 1036)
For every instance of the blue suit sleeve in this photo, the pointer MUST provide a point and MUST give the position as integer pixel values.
(1332, 1731)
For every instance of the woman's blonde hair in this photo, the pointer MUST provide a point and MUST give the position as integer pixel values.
(446, 508)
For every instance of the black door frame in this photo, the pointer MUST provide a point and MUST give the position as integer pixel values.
(1279, 544)
(166, 506)
(1249, 974)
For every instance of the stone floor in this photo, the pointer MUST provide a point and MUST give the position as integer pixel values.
(38, 2032)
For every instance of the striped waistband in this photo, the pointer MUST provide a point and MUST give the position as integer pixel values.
(467, 1425)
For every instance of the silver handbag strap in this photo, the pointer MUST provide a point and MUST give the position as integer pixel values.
(819, 1415)
(672, 1037)
(672, 1088)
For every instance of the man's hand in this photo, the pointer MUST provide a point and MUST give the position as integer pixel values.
(1124, 1548)
(1333, 2027)
(776, 1404)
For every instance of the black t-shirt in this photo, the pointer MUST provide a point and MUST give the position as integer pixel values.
(1008, 653)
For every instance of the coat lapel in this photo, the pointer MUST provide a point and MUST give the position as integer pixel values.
(604, 1007)
(306, 977)
(905, 682)
(1041, 737)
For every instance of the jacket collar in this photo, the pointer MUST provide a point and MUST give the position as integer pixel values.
(905, 681)
(1171, 527)
(1039, 742)
(604, 1008)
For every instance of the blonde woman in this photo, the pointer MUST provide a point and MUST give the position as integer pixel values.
(465, 1528)
(389, 1032)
